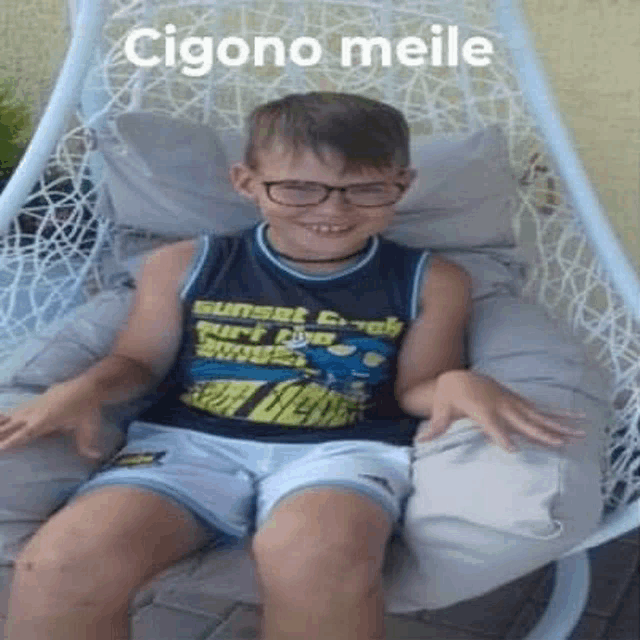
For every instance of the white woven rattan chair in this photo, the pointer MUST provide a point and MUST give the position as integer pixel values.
(53, 244)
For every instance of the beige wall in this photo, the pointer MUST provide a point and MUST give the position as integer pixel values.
(591, 49)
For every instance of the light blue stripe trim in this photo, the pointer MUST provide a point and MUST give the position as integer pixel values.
(393, 510)
(196, 264)
(305, 276)
(418, 281)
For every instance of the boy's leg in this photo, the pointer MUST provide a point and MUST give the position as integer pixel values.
(323, 522)
(76, 576)
(319, 559)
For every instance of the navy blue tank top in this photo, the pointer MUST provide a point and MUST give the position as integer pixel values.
(273, 354)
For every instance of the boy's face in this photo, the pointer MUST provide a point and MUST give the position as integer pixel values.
(331, 229)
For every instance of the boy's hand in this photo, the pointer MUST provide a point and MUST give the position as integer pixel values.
(63, 408)
(463, 393)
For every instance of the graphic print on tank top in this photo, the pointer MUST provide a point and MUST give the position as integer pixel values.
(287, 366)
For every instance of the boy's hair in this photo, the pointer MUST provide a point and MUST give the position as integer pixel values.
(366, 132)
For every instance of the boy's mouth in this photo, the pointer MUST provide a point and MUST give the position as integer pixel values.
(329, 229)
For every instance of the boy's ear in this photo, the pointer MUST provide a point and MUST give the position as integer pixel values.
(408, 176)
(243, 181)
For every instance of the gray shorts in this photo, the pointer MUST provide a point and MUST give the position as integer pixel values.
(231, 485)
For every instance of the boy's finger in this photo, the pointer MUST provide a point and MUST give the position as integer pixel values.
(22, 437)
(539, 431)
(575, 412)
(563, 414)
(570, 431)
(424, 435)
(550, 410)
(499, 438)
(10, 426)
(554, 423)
(551, 418)
(87, 442)
(435, 428)
(92, 454)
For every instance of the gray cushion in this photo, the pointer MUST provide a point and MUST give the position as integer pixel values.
(514, 341)
(70, 345)
(463, 196)
(492, 271)
(171, 177)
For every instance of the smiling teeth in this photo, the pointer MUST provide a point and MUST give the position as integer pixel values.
(327, 228)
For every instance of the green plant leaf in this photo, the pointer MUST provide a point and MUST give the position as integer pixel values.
(15, 128)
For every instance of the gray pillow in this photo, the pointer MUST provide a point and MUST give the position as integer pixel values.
(171, 177)
(492, 271)
(68, 346)
(511, 340)
(463, 196)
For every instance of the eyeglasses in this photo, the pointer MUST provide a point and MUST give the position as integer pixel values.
(304, 194)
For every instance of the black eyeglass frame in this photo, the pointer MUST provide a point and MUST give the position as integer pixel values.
(328, 189)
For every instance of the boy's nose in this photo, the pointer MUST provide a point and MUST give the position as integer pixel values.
(336, 203)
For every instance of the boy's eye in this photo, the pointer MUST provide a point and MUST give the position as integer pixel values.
(370, 189)
(301, 188)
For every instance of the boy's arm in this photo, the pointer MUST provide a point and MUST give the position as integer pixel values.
(143, 352)
(434, 344)
(145, 348)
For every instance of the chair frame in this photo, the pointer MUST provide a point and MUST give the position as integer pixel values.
(572, 578)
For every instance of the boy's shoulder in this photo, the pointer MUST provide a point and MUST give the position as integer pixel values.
(440, 276)
(446, 280)
(447, 268)
(185, 249)
(447, 271)
(174, 254)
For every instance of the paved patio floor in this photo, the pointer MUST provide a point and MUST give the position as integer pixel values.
(508, 613)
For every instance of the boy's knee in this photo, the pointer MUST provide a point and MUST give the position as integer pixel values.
(308, 571)
(104, 546)
(55, 581)
(302, 554)
(67, 570)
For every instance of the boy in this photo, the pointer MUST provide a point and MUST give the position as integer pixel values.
(295, 361)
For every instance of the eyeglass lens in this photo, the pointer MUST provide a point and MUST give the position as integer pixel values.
(377, 194)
